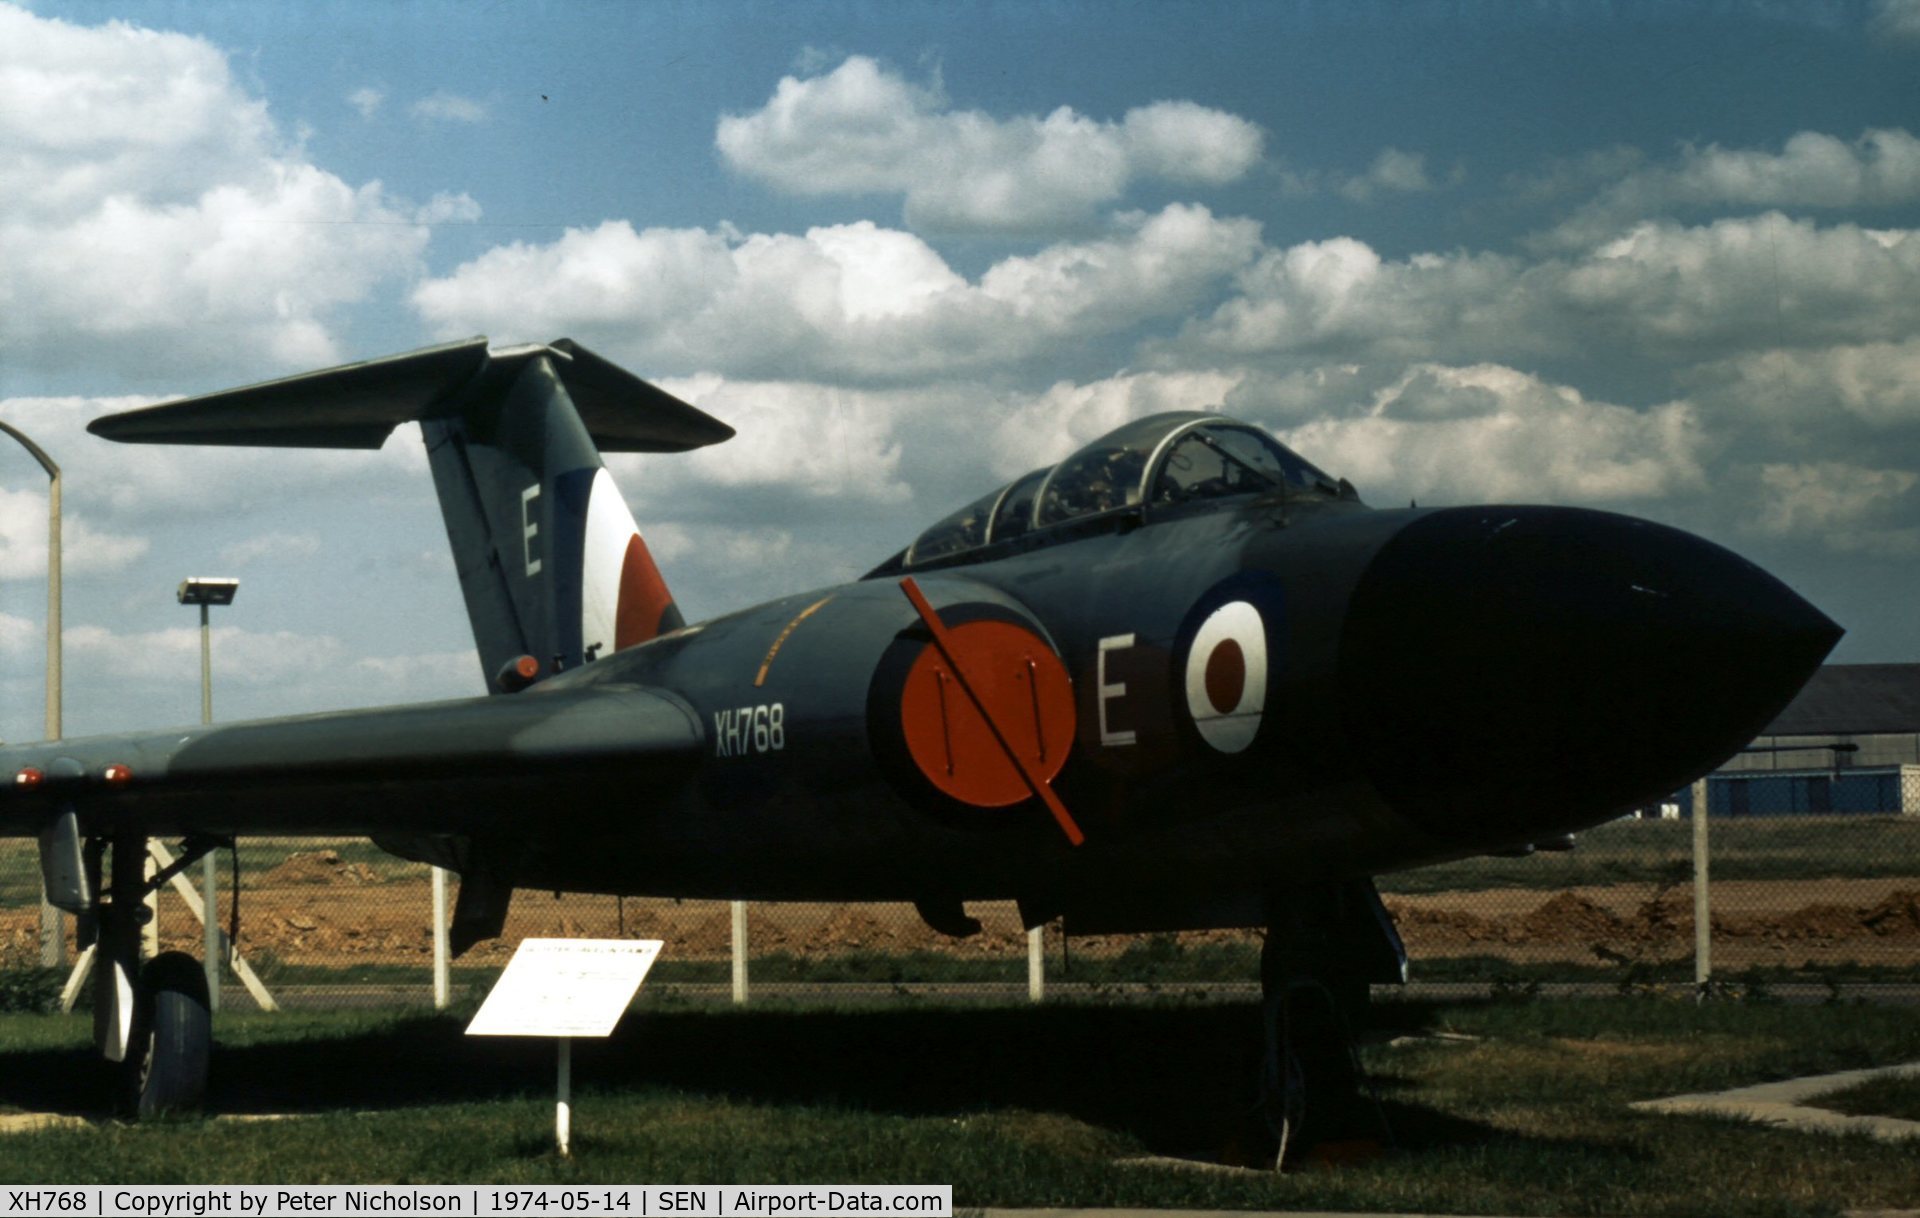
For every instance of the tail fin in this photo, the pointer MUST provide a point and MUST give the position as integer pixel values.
(551, 562)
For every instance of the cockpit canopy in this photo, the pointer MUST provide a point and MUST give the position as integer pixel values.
(1156, 463)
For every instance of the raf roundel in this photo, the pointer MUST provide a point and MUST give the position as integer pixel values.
(1227, 676)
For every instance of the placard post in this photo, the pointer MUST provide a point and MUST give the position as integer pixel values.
(563, 1106)
(565, 988)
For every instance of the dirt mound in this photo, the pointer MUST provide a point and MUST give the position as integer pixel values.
(1667, 916)
(1593, 917)
(1568, 915)
(1898, 915)
(1442, 924)
(319, 867)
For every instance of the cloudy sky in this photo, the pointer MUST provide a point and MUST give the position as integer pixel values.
(1660, 258)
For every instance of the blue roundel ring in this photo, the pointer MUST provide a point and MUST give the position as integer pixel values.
(1225, 661)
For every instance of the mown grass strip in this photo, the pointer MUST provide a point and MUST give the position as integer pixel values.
(1015, 1106)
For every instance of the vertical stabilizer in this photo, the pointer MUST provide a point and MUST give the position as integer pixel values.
(551, 562)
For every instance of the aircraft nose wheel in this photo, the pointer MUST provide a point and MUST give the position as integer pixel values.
(1314, 1097)
(165, 1069)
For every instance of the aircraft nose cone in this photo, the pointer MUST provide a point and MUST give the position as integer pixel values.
(1516, 670)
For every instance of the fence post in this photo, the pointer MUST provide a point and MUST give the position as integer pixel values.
(53, 933)
(210, 926)
(740, 952)
(1702, 914)
(442, 990)
(1036, 963)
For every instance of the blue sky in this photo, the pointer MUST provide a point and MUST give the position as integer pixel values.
(1660, 259)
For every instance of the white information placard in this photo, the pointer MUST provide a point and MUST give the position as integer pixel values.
(565, 987)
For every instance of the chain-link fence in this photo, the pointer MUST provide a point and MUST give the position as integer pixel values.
(1815, 882)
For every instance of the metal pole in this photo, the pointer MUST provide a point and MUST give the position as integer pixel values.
(53, 604)
(740, 952)
(206, 668)
(1702, 915)
(442, 989)
(209, 868)
(1037, 963)
(53, 928)
(53, 931)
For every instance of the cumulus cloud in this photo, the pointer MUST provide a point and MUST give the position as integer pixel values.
(1488, 433)
(444, 107)
(1874, 384)
(142, 485)
(806, 440)
(269, 545)
(1737, 280)
(1896, 21)
(1811, 170)
(1392, 172)
(1846, 507)
(1047, 426)
(861, 129)
(847, 303)
(158, 218)
(84, 549)
(1661, 288)
(18, 635)
(366, 100)
(299, 671)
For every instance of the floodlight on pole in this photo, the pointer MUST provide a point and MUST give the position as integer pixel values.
(206, 593)
(53, 937)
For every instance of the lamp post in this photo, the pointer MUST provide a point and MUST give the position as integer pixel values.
(206, 593)
(53, 937)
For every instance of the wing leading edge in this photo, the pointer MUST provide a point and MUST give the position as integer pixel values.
(479, 764)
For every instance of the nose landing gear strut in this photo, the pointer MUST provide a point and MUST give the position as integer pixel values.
(1324, 946)
(152, 1020)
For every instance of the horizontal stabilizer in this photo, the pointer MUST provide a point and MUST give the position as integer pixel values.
(358, 405)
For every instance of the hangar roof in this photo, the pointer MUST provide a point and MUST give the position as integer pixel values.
(1854, 699)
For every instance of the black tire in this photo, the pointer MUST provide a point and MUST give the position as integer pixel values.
(165, 1070)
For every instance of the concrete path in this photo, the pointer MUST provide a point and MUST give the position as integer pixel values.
(1785, 1104)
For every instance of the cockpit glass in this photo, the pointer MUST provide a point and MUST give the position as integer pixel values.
(1107, 473)
(1091, 482)
(1210, 462)
(1193, 457)
(1014, 516)
(963, 530)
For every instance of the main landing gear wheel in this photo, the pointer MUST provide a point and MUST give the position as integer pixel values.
(165, 1070)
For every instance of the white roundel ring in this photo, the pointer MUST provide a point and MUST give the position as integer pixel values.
(1227, 676)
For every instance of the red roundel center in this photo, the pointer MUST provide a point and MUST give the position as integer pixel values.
(1226, 675)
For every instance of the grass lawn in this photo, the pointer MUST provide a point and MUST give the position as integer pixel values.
(1016, 1106)
(1661, 851)
(1892, 1097)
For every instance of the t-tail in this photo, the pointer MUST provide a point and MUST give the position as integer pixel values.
(553, 567)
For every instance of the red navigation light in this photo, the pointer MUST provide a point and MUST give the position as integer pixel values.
(516, 674)
(117, 775)
(29, 778)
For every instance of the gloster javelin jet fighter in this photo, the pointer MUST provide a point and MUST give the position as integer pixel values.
(1181, 679)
